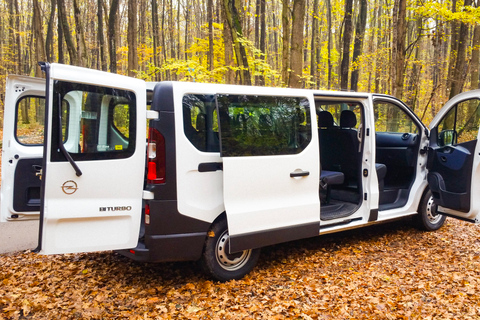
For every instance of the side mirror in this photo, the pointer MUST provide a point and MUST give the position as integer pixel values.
(447, 138)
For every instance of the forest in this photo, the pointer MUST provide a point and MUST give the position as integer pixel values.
(421, 51)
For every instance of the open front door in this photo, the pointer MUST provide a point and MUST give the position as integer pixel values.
(270, 167)
(94, 160)
(22, 148)
(454, 157)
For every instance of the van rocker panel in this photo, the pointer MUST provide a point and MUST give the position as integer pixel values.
(270, 237)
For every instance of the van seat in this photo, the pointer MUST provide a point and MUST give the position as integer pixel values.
(328, 179)
(381, 173)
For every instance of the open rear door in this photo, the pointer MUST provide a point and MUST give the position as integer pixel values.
(22, 148)
(454, 157)
(94, 159)
(270, 167)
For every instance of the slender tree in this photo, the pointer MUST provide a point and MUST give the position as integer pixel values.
(398, 47)
(296, 60)
(232, 15)
(358, 43)
(285, 41)
(112, 39)
(40, 54)
(347, 38)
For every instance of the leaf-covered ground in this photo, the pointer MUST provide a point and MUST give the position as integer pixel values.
(390, 271)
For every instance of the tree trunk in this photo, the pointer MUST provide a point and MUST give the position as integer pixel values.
(49, 40)
(460, 64)
(155, 36)
(347, 38)
(358, 43)
(112, 39)
(257, 23)
(285, 41)
(187, 31)
(61, 51)
(474, 66)
(296, 56)
(329, 44)
(263, 36)
(101, 40)
(398, 47)
(454, 37)
(378, 62)
(314, 43)
(62, 17)
(232, 15)
(81, 45)
(210, 34)
(228, 44)
(40, 54)
(132, 38)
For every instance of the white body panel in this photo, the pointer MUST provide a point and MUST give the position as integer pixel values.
(16, 88)
(74, 222)
(199, 194)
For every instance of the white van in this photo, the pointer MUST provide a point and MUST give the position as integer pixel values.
(227, 169)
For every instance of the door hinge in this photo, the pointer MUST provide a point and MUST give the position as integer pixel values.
(152, 114)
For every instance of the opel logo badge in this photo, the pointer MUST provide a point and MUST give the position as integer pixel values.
(69, 187)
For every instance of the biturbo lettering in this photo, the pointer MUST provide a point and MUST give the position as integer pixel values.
(124, 208)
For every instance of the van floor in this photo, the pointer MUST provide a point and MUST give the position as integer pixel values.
(336, 209)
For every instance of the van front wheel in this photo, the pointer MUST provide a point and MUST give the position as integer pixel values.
(218, 262)
(428, 218)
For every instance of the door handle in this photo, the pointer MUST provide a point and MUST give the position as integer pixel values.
(299, 174)
(210, 166)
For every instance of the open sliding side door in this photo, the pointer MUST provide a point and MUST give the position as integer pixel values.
(22, 148)
(270, 167)
(94, 160)
(454, 157)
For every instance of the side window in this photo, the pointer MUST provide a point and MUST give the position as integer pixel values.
(263, 125)
(121, 119)
(390, 118)
(30, 120)
(460, 124)
(99, 122)
(200, 122)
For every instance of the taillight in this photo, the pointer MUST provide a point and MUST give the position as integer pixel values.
(147, 214)
(156, 170)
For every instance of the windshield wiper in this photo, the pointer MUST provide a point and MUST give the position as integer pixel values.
(67, 155)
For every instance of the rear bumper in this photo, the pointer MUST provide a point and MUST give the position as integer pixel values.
(172, 247)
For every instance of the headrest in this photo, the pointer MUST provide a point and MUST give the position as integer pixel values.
(348, 119)
(325, 119)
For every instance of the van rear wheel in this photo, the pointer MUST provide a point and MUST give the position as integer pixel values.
(218, 262)
(428, 218)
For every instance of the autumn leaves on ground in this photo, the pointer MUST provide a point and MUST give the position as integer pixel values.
(389, 271)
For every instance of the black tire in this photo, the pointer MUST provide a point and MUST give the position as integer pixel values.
(427, 218)
(218, 263)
